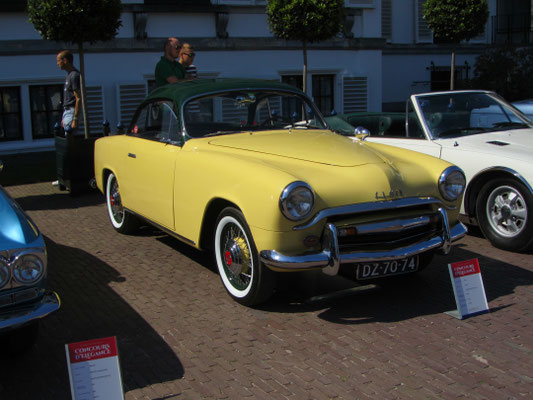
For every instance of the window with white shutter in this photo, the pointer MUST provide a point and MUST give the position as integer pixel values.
(355, 96)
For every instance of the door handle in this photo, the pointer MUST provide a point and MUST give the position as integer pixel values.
(132, 155)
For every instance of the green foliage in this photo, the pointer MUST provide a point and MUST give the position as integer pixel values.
(76, 21)
(453, 21)
(305, 20)
(507, 71)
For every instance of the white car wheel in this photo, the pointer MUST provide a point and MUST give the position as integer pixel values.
(121, 220)
(504, 209)
(246, 280)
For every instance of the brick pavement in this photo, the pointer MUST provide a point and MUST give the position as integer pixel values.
(181, 337)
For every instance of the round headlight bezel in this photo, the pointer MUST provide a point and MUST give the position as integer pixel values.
(30, 262)
(290, 201)
(449, 182)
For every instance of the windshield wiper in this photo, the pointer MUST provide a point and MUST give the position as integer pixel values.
(220, 133)
(509, 125)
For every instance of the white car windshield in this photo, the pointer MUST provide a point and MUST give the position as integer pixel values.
(449, 115)
(243, 111)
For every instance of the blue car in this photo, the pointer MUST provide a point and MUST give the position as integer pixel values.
(24, 299)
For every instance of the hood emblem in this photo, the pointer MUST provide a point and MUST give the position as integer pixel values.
(392, 194)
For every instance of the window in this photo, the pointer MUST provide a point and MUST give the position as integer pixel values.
(248, 110)
(323, 93)
(157, 121)
(46, 109)
(10, 114)
(294, 80)
(323, 89)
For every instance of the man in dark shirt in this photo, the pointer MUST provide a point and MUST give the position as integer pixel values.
(168, 70)
(71, 90)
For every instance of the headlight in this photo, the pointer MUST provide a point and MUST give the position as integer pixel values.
(28, 268)
(452, 183)
(296, 201)
(5, 273)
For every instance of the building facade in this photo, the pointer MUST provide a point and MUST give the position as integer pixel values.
(385, 53)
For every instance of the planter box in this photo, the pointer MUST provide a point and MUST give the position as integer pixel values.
(75, 162)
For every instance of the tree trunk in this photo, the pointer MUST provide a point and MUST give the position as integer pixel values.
(452, 71)
(305, 67)
(82, 84)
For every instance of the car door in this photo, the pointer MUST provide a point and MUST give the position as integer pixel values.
(409, 136)
(147, 184)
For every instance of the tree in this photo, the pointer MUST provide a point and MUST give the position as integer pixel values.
(507, 71)
(305, 20)
(453, 21)
(77, 22)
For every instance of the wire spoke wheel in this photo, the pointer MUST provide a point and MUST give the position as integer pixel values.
(236, 256)
(121, 220)
(245, 279)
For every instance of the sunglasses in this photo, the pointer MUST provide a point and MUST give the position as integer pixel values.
(189, 54)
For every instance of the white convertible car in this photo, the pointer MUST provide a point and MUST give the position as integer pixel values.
(484, 135)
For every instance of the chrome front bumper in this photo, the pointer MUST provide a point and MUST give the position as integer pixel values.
(330, 259)
(21, 316)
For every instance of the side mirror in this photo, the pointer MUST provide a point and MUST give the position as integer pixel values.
(361, 133)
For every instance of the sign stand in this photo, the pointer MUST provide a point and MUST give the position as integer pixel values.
(468, 289)
(93, 369)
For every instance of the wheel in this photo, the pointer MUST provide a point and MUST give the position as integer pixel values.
(502, 213)
(121, 220)
(245, 278)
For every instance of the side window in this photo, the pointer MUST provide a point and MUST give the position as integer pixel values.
(157, 121)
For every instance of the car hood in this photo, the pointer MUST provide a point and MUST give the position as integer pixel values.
(516, 144)
(319, 146)
(16, 228)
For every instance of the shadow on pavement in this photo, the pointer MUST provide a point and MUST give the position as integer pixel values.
(90, 309)
(60, 201)
(395, 299)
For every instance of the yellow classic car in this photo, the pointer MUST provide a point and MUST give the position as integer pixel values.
(250, 170)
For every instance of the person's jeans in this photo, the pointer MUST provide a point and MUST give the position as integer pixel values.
(68, 116)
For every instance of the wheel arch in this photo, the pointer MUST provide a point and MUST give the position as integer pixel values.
(212, 211)
(481, 178)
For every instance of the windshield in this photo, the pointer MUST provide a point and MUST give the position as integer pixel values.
(244, 111)
(449, 115)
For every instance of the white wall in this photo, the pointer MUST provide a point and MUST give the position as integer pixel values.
(403, 76)
(190, 25)
(15, 26)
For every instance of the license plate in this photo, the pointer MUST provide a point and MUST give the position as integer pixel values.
(387, 268)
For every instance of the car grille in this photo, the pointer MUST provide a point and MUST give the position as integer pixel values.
(387, 234)
(18, 297)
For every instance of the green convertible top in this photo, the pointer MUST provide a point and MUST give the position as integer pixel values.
(181, 91)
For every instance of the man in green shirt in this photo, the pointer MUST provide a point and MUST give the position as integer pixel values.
(168, 70)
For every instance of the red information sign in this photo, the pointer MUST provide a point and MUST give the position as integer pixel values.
(94, 370)
(92, 349)
(464, 268)
(468, 288)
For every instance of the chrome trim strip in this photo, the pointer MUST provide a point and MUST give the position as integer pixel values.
(446, 234)
(504, 169)
(369, 207)
(22, 316)
(327, 258)
(334, 258)
(395, 226)
(166, 230)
